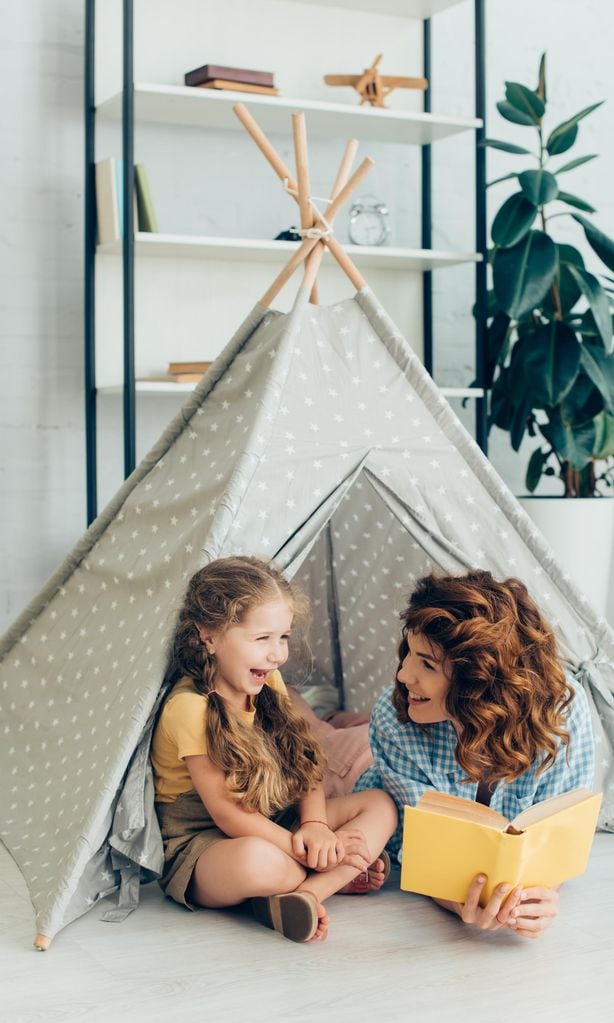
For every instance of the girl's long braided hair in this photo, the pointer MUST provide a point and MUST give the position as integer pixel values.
(508, 693)
(270, 766)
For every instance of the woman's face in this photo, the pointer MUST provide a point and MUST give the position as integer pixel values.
(424, 675)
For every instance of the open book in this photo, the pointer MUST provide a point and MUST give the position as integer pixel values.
(447, 840)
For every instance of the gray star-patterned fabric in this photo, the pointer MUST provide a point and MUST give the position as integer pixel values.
(318, 440)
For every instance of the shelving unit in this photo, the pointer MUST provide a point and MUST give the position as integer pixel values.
(180, 106)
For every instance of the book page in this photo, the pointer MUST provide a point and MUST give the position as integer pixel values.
(464, 809)
(548, 807)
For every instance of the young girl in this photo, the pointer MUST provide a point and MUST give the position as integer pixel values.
(238, 775)
(481, 708)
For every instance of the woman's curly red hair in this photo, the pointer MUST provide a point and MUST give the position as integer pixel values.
(508, 692)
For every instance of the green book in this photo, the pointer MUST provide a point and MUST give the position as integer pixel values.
(147, 217)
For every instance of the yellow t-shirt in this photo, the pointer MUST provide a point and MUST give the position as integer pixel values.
(180, 733)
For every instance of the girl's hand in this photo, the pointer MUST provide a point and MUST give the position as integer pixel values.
(317, 847)
(536, 911)
(498, 911)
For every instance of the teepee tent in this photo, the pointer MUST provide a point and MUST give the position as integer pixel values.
(316, 439)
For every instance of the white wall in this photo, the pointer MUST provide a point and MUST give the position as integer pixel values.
(42, 475)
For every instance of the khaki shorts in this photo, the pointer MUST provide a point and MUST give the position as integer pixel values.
(187, 830)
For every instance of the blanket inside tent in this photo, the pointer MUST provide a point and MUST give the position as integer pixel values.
(318, 440)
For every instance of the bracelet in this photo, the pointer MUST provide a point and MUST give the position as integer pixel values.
(326, 825)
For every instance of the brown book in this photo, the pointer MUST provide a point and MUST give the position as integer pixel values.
(238, 87)
(186, 378)
(208, 72)
(188, 367)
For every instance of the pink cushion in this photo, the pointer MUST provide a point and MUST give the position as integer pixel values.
(347, 748)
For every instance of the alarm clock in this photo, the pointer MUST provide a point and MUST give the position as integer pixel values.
(368, 222)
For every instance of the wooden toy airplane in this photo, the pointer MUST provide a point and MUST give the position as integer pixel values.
(373, 87)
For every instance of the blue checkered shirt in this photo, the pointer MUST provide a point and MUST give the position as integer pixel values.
(408, 761)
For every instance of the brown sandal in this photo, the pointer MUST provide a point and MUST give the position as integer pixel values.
(387, 868)
(294, 915)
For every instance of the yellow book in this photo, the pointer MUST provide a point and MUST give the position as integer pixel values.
(447, 840)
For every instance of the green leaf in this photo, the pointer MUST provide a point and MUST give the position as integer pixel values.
(510, 113)
(506, 147)
(534, 469)
(600, 368)
(598, 241)
(583, 402)
(513, 220)
(506, 177)
(539, 186)
(588, 327)
(568, 288)
(523, 273)
(598, 301)
(525, 100)
(574, 200)
(569, 254)
(501, 405)
(497, 345)
(576, 163)
(572, 445)
(604, 436)
(518, 424)
(563, 141)
(558, 141)
(546, 363)
(541, 79)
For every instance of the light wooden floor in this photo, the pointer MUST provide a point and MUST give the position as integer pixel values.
(389, 957)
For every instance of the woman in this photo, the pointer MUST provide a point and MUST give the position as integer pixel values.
(481, 709)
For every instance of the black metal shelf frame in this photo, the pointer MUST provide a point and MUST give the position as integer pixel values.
(129, 389)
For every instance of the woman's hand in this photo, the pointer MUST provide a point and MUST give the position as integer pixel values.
(317, 847)
(498, 911)
(355, 849)
(537, 909)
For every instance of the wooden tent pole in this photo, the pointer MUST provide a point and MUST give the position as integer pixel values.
(299, 132)
(302, 169)
(282, 171)
(265, 147)
(314, 260)
(310, 243)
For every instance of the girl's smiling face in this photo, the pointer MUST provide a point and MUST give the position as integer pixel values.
(424, 675)
(245, 654)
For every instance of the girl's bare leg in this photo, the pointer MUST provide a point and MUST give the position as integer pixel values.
(236, 869)
(373, 812)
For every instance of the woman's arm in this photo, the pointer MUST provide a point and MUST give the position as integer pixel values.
(394, 770)
(209, 782)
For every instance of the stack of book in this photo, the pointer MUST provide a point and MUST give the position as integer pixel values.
(235, 79)
(187, 372)
(110, 201)
(178, 373)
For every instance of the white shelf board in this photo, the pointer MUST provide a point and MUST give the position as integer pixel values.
(462, 392)
(172, 246)
(206, 108)
(150, 387)
(404, 8)
(167, 387)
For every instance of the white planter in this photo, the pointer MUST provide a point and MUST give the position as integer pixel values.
(580, 531)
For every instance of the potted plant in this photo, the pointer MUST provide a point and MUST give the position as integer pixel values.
(549, 330)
